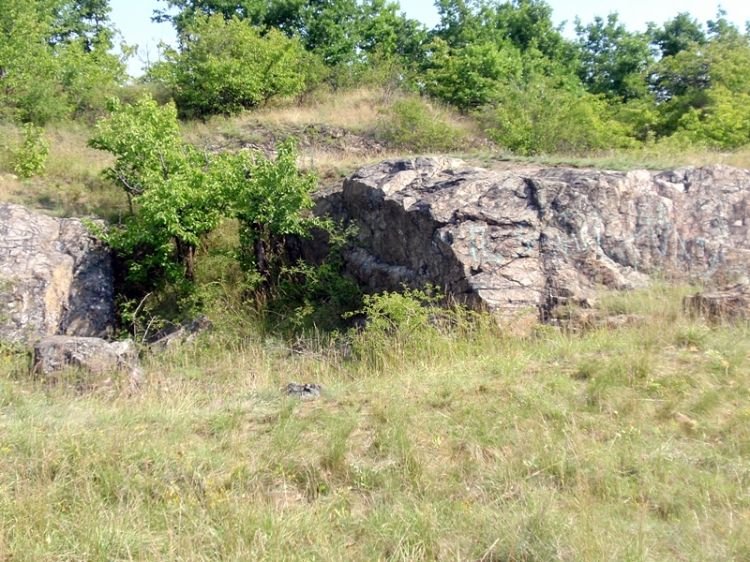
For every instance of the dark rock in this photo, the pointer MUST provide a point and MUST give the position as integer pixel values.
(55, 278)
(306, 391)
(95, 356)
(514, 242)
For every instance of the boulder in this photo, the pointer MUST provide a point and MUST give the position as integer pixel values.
(305, 391)
(511, 241)
(55, 278)
(55, 354)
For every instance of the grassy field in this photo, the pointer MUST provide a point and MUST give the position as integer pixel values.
(428, 443)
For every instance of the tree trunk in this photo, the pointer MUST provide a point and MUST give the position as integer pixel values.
(186, 255)
(261, 255)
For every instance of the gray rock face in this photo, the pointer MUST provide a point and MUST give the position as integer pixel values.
(55, 278)
(511, 241)
(54, 354)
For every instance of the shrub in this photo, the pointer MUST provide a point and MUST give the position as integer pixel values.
(169, 186)
(398, 323)
(469, 77)
(542, 116)
(179, 195)
(724, 123)
(269, 198)
(414, 124)
(30, 158)
(224, 66)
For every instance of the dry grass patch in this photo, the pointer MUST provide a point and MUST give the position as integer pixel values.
(657, 157)
(355, 110)
(71, 184)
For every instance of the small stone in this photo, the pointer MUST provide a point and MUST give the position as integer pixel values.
(179, 334)
(306, 391)
(729, 303)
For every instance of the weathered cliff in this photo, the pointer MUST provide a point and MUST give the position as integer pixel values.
(511, 241)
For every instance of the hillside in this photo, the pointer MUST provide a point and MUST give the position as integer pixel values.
(527, 380)
(459, 440)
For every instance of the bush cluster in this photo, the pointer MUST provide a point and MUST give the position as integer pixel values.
(179, 195)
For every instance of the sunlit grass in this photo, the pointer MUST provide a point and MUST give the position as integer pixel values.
(465, 444)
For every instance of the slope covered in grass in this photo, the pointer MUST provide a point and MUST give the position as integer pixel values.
(433, 440)
(337, 133)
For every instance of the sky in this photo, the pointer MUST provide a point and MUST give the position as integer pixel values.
(133, 18)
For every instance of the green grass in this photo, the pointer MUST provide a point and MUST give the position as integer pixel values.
(460, 444)
(72, 184)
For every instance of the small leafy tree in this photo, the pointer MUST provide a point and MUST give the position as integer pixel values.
(31, 156)
(169, 188)
(269, 199)
(469, 77)
(179, 195)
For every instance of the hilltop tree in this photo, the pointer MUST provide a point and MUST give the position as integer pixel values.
(224, 66)
(525, 24)
(613, 60)
(678, 34)
(341, 32)
(54, 62)
(704, 92)
(82, 20)
(469, 77)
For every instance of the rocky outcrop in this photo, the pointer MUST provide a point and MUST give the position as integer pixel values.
(510, 241)
(728, 303)
(55, 278)
(95, 356)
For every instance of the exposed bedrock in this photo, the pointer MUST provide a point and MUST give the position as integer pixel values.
(510, 241)
(55, 278)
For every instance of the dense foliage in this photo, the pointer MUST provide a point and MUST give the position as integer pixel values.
(502, 60)
(224, 66)
(536, 90)
(179, 195)
(55, 59)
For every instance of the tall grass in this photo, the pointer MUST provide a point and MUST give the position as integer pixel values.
(464, 442)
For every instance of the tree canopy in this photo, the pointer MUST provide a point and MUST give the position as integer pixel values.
(55, 59)
(502, 60)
